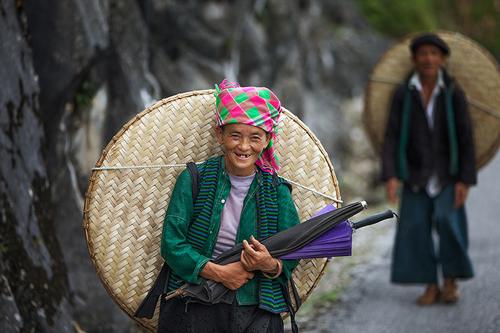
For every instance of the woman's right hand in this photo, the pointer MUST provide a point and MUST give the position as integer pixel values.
(232, 276)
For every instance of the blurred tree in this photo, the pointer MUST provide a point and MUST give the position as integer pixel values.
(398, 18)
(479, 19)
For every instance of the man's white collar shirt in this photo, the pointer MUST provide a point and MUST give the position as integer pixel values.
(433, 187)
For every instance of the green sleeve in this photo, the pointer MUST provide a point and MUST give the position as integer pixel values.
(185, 261)
(287, 217)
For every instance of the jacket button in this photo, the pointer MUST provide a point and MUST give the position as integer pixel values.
(223, 201)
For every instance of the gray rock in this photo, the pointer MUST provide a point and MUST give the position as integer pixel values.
(30, 253)
(73, 72)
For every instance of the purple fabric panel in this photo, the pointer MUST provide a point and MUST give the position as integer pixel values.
(326, 209)
(336, 242)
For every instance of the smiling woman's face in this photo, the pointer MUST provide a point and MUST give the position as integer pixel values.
(242, 145)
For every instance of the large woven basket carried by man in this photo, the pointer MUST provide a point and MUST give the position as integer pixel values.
(130, 186)
(475, 70)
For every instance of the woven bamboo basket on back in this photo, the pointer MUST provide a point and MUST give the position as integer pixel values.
(130, 186)
(475, 70)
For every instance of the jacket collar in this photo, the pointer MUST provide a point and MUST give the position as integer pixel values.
(416, 83)
(444, 79)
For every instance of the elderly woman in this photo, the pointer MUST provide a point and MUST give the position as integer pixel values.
(240, 200)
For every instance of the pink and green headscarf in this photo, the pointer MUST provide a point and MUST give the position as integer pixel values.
(256, 106)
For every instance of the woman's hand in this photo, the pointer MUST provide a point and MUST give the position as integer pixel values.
(255, 256)
(232, 276)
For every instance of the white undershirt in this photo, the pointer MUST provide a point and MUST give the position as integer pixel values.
(231, 213)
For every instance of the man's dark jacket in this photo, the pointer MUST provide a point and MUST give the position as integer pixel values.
(428, 150)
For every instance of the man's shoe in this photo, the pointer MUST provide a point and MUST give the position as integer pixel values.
(430, 296)
(450, 292)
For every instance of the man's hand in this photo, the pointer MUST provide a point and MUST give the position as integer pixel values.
(232, 276)
(461, 191)
(255, 256)
(391, 188)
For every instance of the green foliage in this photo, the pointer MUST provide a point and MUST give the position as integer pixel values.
(3, 248)
(479, 19)
(397, 18)
(85, 94)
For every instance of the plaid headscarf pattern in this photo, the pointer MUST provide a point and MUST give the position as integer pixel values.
(256, 106)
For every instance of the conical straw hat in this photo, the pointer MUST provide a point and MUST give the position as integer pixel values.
(129, 190)
(475, 70)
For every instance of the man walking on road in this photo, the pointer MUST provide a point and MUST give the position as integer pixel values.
(429, 148)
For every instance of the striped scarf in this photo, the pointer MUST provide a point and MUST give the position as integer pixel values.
(270, 291)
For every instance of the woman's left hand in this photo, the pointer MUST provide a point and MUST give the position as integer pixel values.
(255, 256)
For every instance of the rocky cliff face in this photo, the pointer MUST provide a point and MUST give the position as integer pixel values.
(73, 72)
(34, 281)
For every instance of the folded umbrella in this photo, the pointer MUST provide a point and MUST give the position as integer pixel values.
(310, 239)
(335, 242)
(292, 239)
